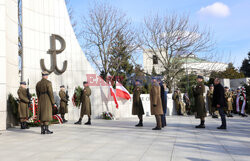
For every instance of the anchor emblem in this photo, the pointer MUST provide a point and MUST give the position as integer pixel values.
(53, 51)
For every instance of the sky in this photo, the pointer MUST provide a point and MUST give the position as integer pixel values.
(229, 20)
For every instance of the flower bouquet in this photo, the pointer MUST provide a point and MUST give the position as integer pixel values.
(107, 116)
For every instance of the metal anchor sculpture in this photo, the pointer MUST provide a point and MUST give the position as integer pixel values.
(53, 51)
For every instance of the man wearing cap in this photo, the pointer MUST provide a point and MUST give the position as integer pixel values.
(63, 102)
(86, 104)
(137, 107)
(46, 101)
(219, 102)
(23, 109)
(200, 108)
(229, 101)
(212, 110)
(155, 102)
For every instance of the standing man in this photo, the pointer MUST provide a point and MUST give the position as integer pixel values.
(46, 101)
(212, 110)
(163, 102)
(155, 102)
(63, 103)
(187, 102)
(229, 101)
(137, 107)
(23, 109)
(86, 104)
(219, 102)
(200, 108)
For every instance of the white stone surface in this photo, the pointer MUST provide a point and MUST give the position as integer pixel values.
(8, 55)
(120, 141)
(235, 83)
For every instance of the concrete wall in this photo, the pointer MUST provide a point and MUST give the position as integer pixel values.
(235, 83)
(8, 55)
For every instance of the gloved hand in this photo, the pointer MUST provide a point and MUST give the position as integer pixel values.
(154, 105)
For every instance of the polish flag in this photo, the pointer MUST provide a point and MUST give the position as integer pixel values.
(122, 91)
(112, 92)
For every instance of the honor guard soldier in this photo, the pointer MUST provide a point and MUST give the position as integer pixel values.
(200, 108)
(137, 107)
(229, 101)
(155, 102)
(23, 109)
(212, 110)
(86, 104)
(63, 102)
(46, 101)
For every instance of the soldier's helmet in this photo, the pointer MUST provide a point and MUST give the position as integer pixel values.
(23, 83)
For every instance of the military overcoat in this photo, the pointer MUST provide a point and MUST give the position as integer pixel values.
(23, 110)
(200, 108)
(137, 107)
(63, 102)
(46, 100)
(155, 100)
(85, 101)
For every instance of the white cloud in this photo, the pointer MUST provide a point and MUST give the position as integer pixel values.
(217, 9)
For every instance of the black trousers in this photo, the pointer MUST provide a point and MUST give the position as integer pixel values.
(223, 116)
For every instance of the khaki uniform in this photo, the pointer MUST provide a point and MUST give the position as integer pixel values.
(199, 100)
(63, 102)
(23, 109)
(46, 100)
(179, 105)
(156, 105)
(137, 107)
(85, 100)
(229, 100)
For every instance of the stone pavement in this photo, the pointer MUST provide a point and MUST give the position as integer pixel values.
(120, 141)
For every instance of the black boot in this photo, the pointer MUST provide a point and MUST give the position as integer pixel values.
(202, 125)
(22, 125)
(140, 124)
(79, 122)
(26, 125)
(89, 122)
(63, 118)
(156, 128)
(47, 130)
(42, 129)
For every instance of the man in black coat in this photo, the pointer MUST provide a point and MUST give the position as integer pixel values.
(164, 104)
(219, 101)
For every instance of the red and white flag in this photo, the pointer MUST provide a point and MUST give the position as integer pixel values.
(122, 92)
(112, 92)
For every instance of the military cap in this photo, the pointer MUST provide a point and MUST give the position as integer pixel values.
(226, 87)
(62, 86)
(211, 85)
(238, 88)
(154, 77)
(23, 83)
(85, 82)
(200, 77)
(45, 73)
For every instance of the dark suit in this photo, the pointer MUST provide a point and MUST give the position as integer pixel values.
(219, 99)
(164, 105)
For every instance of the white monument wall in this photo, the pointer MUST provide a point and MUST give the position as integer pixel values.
(8, 55)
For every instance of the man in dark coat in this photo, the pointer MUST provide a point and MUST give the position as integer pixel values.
(23, 109)
(46, 101)
(137, 107)
(86, 104)
(63, 102)
(219, 101)
(163, 102)
(200, 108)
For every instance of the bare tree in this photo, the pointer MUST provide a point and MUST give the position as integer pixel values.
(100, 32)
(171, 39)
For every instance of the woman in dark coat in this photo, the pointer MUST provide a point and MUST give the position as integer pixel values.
(137, 107)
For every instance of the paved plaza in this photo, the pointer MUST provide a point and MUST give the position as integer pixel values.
(119, 140)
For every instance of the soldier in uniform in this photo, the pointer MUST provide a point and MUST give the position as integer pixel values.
(179, 105)
(137, 107)
(63, 103)
(86, 104)
(23, 109)
(155, 102)
(212, 110)
(200, 109)
(46, 101)
(229, 101)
